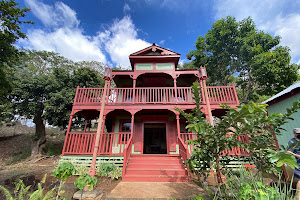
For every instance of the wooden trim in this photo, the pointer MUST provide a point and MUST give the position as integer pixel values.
(154, 122)
(285, 96)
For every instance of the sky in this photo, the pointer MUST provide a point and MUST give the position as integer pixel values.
(110, 30)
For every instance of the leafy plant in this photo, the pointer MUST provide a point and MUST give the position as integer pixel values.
(62, 172)
(199, 197)
(246, 186)
(21, 192)
(84, 181)
(116, 174)
(281, 158)
(105, 169)
(249, 121)
(113, 174)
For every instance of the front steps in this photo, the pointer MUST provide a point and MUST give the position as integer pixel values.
(155, 168)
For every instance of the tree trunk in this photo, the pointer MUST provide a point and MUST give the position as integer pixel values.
(219, 176)
(40, 135)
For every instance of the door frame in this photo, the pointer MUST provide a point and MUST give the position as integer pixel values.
(167, 134)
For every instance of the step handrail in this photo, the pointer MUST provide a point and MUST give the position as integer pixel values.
(184, 153)
(126, 152)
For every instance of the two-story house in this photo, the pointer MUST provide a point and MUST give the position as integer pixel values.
(141, 131)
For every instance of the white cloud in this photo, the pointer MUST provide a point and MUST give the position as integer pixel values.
(63, 35)
(126, 9)
(58, 15)
(276, 17)
(162, 42)
(68, 42)
(121, 40)
(182, 61)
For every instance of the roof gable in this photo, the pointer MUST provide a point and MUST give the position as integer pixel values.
(154, 50)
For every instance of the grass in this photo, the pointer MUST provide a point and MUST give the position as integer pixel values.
(53, 149)
(20, 155)
(54, 145)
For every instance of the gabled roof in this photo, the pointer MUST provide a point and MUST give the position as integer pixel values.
(284, 92)
(155, 51)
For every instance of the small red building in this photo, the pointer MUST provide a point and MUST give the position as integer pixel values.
(142, 131)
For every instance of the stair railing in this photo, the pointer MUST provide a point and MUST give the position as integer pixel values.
(184, 153)
(126, 152)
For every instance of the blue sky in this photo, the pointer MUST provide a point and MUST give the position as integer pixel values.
(108, 31)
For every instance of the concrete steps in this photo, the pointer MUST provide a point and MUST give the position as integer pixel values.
(155, 168)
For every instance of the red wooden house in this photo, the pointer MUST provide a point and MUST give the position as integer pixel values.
(142, 131)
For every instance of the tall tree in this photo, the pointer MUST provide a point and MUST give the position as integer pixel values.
(237, 49)
(10, 31)
(45, 86)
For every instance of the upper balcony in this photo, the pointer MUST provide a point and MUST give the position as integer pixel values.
(154, 95)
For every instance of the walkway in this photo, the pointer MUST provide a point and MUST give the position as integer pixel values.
(155, 190)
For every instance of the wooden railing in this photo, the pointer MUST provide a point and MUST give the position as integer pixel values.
(184, 153)
(83, 143)
(233, 152)
(221, 94)
(88, 96)
(154, 95)
(127, 152)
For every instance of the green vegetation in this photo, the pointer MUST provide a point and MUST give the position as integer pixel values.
(63, 171)
(11, 20)
(21, 192)
(114, 173)
(45, 86)
(245, 185)
(237, 52)
(20, 155)
(85, 181)
(251, 120)
(105, 169)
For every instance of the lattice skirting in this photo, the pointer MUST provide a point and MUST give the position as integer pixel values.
(87, 160)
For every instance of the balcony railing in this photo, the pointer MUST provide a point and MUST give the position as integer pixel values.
(155, 95)
(83, 143)
(234, 151)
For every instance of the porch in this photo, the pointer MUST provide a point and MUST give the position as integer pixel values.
(114, 144)
(153, 95)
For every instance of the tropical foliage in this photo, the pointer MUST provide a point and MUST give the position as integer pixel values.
(237, 52)
(249, 120)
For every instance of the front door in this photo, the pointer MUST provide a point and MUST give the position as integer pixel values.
(155, 141)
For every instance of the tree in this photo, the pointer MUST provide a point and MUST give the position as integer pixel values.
(10, 32)
(249, 120)
(45, 86)
(238, 49)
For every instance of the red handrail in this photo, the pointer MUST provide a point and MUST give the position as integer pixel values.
(126, 152)
(221, 94)
(184, 153)
(83, 143)
(233, 152)
(154, 95)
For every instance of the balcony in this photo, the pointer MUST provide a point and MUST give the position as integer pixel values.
(154, 95)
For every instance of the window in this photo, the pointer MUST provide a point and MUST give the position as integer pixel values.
(126, 127)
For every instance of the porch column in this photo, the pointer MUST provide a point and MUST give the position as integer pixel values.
(133, 96)
(108, 90)
(202, 92)
(67, 134)
(85, 125)
(107, 77)
(207, 104)
(101, 134)
(132, 122)
(178, 124)
(175, 88)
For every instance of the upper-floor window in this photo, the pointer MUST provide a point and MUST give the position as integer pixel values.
(150, 66)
